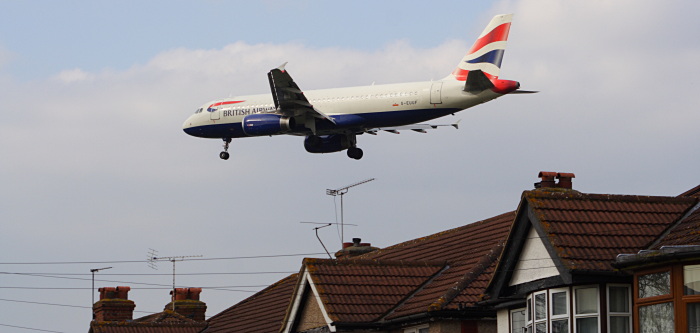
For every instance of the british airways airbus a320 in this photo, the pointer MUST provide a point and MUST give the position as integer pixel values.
(331, 119)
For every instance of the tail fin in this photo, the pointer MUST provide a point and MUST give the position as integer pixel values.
(487, 52)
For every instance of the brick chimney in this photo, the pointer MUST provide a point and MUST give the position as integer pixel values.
(187, 303)
(548, 180)
(354, 249)
(114, 305)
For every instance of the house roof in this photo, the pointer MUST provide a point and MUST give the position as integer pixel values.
(587, 231)
(470, 251)
(693, 192)
(262, 312)
(162, 322)
(448, 270)
(364, 290)
(686, 232)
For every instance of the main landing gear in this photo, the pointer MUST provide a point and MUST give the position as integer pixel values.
(355, 153)
(224, 154)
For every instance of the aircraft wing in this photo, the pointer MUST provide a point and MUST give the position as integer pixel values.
(420, 128)
(289, 99)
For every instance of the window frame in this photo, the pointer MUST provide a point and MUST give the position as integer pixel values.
(552, 316)
(575, 316)
(529, 318)
(510, 319)
(630, 305)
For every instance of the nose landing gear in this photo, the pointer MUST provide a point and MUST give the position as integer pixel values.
(224, 155)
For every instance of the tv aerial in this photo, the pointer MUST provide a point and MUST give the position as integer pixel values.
(93, 271)
(323, 225)
(152, 263)
(341, 192)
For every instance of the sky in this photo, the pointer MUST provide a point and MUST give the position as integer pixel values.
(97, 170)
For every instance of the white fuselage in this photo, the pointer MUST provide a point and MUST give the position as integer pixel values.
(354, 108)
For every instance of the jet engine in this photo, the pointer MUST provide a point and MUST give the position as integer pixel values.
(266, 124)
(326, 143)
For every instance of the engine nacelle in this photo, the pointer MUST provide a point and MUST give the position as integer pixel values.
(326, 143)
(266, 124)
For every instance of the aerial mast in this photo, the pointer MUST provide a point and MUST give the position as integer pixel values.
(341, 192)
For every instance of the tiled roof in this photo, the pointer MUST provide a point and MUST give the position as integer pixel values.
(260, 313)
(693, 192)
(357, 290)
(470, 251)
(687, 232)
(589, 230)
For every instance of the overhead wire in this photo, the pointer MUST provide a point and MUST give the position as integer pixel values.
(164, 260)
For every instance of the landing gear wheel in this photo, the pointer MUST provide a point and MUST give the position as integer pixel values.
(355, 153)
(224, 154)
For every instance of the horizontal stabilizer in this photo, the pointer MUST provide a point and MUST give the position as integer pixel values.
(477, 82)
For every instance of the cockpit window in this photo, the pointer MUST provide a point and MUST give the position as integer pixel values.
(198, 110)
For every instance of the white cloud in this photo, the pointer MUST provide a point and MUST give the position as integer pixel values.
(73, 76)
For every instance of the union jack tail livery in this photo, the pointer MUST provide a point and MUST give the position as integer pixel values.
(487, 52)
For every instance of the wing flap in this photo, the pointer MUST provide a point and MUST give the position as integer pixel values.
(420, 128)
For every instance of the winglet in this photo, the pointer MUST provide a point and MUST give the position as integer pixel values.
(281, 67)
(456, 124)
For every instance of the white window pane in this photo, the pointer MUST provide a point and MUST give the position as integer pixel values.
(540, 306)
(691, 279)
(587, 325)
(560, 326)
(657, 318)
(517, 321)
(654, 284)
(694, 318)
(619, 299)
(620, 324)
(586, 300)
(559, 306)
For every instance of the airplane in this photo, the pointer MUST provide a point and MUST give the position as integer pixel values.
(331, 119)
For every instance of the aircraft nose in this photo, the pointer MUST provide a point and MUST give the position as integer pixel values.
(188, 127)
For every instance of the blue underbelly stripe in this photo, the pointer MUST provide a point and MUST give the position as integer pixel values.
(371, 120)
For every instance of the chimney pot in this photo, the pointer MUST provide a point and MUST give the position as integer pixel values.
(565, 180)
(353, 249)
(547, 179)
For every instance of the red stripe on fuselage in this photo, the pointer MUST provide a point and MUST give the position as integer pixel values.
(225, 103)
(498, 34)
